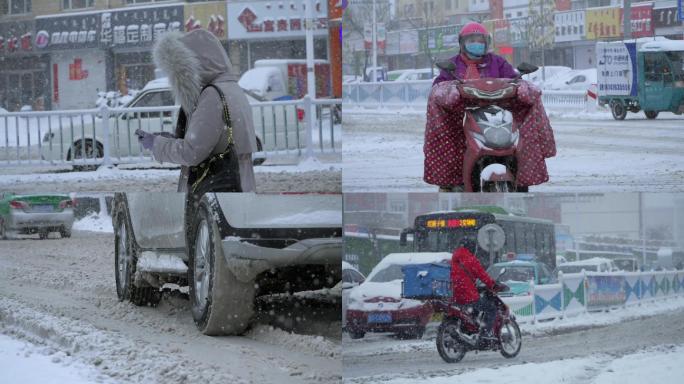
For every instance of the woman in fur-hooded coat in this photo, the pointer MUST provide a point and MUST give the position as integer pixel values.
(192, 61)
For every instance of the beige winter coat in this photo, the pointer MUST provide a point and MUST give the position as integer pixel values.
(191, 61)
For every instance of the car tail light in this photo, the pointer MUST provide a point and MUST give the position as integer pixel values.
(16, 204)
(300, 114)
(66, 204)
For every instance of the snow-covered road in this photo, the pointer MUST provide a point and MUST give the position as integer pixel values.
(595, 154)
(321, 177)
(382, 357)
(59, 296)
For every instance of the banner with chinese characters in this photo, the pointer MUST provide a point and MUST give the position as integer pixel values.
(16, 37)
(263, 20)
(68, 32)
(640, 20)
(569, 26)
(210, 16)
(139, 26)
(666, 18)
(603, 22)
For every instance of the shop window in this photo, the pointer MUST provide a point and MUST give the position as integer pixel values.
(14, 7)
(77, 4)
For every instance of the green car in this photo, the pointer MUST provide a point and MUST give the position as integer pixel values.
(42, 214)
(518, 275)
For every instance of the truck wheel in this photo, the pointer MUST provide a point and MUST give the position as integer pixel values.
(221, 304)
(125, 261)
(355, 335)
(651, 114)
(43, 234)
(65, 233)
(260, 148)
(619, 111)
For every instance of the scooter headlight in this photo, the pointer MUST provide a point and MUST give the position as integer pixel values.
(498, 137)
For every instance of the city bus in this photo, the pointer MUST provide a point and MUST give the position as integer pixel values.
(442, 231)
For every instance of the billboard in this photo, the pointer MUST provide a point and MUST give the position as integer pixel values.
(264, 20)
(603, 23)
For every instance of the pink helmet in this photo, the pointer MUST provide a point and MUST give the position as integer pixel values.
(474, 28)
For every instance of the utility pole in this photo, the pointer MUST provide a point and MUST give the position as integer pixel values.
(543, 37)
(310, 78)
(627, 19)
(374, 39)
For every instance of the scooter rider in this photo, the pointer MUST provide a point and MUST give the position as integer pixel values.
(465, 270)
(445, 142)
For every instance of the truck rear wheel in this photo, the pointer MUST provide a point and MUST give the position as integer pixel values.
(651, 114)
(618, 109)
(221, 304)
(125, 262)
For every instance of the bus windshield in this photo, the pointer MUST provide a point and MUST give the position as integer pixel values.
(442, 240)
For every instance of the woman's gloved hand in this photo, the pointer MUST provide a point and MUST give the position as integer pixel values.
(145, 138)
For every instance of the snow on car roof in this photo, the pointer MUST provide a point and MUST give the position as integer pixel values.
(520, 263)
(662, 46)
(409, 258)
(592, 261)
(253, 79)
(346, 265)
(162, 82)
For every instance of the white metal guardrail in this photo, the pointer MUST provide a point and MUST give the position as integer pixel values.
(414, 95)
(107, 135)
(583, 292)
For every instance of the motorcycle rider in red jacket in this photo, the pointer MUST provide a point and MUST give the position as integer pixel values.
(465, 271)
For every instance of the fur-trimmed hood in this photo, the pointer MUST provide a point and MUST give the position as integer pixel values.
(191, 61)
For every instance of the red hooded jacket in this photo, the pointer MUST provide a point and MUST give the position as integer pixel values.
(464, 289)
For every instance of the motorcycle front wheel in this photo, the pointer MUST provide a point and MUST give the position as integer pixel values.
(510, 339)
(450, 348)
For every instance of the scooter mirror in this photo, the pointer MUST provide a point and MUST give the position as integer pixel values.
(525, 68)
(446, 65)
(501, 272)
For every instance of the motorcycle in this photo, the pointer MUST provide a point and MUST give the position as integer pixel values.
(491, 134)
(460, 332)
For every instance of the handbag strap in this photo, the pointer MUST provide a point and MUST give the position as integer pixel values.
(226, 112)
(205, 164)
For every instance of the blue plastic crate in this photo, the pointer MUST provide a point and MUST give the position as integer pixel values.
(425, 281)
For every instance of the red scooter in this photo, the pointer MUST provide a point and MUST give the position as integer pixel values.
(491, 134)
(460, 331)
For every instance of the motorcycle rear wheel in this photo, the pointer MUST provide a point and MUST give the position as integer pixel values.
(510, 339)
(450, 348)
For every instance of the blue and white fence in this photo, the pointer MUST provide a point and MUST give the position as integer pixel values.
(584, 292)
(107, 135)
(413, 95)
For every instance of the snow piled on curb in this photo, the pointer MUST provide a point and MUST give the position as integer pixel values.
(596, 319)
(663, 364)
(117, 357)
(95, 223)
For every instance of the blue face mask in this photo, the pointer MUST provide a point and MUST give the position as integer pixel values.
(475, 49)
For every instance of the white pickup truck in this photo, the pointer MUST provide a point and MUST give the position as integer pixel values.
(236, 247)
